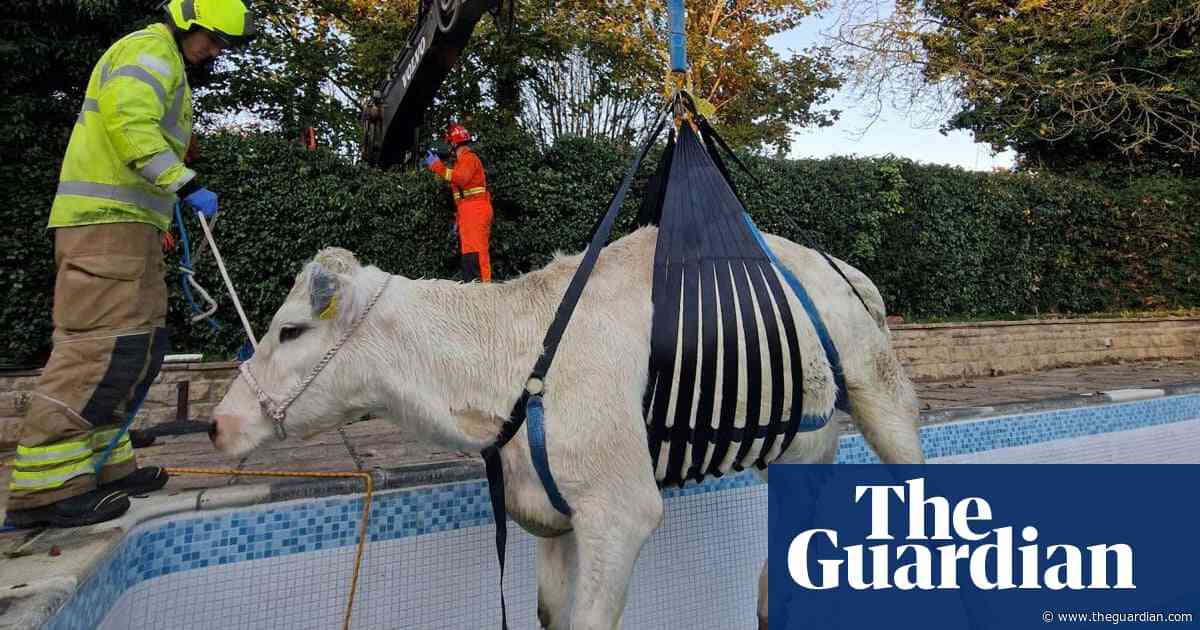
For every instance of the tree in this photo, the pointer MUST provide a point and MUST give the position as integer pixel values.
(50, 48)
(1072, 85)
(758, 95)
(574, 67)
(298, 73)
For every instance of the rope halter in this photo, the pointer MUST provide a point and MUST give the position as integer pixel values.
(277, 411)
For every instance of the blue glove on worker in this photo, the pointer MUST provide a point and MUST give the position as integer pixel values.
(204, 201)
(430, 158)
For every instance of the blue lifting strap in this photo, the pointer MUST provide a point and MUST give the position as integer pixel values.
(678, 39)
(835, 362)
(535, 417)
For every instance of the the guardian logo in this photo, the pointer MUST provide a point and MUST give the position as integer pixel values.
(988, 565)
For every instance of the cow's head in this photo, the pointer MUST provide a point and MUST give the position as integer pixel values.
(330, 294)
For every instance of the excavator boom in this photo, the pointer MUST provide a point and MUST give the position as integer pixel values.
(396, 109)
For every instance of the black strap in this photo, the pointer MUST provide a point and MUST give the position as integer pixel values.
(516, 418)
(707, 131)
(570, 299)
(495, 477)
(843, 275)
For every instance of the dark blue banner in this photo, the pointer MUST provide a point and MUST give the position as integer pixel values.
(984, 547)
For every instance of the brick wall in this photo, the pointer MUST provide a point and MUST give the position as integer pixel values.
(952, 351)
(929, 351)
(206, 384)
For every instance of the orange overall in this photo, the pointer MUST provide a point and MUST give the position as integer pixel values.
(474, 211)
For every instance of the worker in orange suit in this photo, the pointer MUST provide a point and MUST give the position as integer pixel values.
(472, 200)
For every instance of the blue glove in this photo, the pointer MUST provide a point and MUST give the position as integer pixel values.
(430, 158)
(204, 201)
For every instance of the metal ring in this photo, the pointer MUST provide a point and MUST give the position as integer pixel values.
(447, 7)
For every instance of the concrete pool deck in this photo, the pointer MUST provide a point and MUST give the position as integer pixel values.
(42, 568)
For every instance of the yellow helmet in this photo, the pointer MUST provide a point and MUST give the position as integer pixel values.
(230, 20)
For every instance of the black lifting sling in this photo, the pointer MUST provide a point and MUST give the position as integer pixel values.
(717, 294)
(720, 307)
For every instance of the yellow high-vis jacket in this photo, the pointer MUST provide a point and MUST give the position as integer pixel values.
(125, 159)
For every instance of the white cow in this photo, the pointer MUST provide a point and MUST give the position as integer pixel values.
(448, 360)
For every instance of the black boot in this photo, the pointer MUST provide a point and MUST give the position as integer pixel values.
(140, 481)
(141, 439)
(89, 508)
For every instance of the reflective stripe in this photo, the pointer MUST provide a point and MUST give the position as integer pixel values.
(170, 122)
(188, 10)
(154, 63)
(163, 204)
(188, 175)
(134, 72)
(120, 455)
(122, 452)
(89, 105)
(158, 165)
(39, 456)
(57, 477)
(471, 192)
(100, 439)
(177, 133)
(84, 454)
(50, 479)
(448, 174)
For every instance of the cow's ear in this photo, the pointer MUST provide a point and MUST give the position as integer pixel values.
(330, 283)
(323, 289)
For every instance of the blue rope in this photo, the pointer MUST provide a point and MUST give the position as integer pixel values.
(112, 444)
(187, 264)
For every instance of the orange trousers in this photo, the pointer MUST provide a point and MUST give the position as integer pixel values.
(474, 219)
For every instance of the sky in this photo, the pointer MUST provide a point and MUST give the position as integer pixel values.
(892, 133)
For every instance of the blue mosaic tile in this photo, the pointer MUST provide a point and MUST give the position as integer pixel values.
(960, 438)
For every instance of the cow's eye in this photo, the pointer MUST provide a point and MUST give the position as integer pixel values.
(288, 333)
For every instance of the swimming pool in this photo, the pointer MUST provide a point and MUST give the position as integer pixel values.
(430, 562)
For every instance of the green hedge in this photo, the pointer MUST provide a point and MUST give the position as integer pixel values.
(939, 242)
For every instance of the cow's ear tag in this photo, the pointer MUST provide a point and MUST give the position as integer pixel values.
(331, 309)
(323, 292)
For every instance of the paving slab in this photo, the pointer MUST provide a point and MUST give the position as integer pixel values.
(299, 459)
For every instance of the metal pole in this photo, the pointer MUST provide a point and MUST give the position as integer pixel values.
(237, 304)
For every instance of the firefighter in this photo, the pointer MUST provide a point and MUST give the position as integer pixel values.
(472, 200)
(120, 179)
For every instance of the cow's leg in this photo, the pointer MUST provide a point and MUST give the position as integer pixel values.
(555, 574)
(823, 450)
(885, 408)
(609, 534)
(762, 598)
